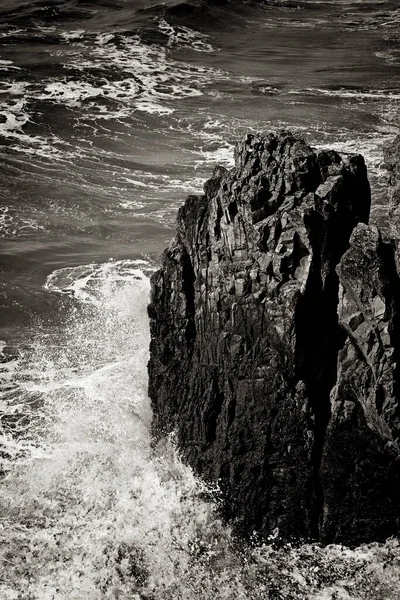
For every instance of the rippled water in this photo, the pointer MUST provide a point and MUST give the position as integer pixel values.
(110, 113)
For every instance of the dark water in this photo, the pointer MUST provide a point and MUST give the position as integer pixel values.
(110, 114)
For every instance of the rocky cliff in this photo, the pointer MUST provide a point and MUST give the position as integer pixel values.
(274, 340)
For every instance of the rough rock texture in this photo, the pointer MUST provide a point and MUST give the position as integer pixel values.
(360, 469)
(392, 162)
(391, 221)
(245, 333)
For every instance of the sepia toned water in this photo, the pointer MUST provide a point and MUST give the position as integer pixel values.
(110, 114)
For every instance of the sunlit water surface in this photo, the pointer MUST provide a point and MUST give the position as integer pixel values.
(109, 115)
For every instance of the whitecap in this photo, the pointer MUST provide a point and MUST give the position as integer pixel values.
(83, 282)
(76, 34)
(68, 92)
(154, 78)
(346, 93)
(221, 155)
(392, 56)
(8, 65)
(11, 32)
(14, 114)
(14, 88)
(153, 108)
(184, 37)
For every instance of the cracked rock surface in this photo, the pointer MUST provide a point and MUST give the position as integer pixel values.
(274, 339)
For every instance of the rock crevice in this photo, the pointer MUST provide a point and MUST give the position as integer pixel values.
(261, 323)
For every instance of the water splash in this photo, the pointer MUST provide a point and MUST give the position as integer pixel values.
(89, 510)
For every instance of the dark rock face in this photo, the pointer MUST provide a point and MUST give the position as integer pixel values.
(360, 469)
(253, 360)
(392, 162)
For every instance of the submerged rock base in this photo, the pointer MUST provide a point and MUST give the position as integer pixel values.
(274, 344)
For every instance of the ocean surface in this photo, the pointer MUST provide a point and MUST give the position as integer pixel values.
(111, 112)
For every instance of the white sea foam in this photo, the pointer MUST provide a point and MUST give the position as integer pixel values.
(161, 183)
(387, 20)
(15, 222)
(150, 77)
(68, 92)
(73, 35)
(184, 37)
(132, 204)
(386, 95)
(153, 108)
(15, 88)
(6, 221)
(11, 32)
(222, 154)
(89, 512)
(8, 65)
(136, 77)
(84, 282)
(392, 57)
(14, 116)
